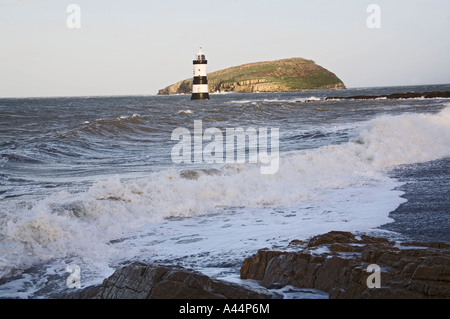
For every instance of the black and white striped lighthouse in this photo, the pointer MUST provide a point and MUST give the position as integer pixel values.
(200, 84)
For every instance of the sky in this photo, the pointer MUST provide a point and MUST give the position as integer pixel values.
(136, 47)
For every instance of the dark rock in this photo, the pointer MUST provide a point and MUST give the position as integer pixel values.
(143, 281)
(331, 238)
(257, 267)
(435, 94)
(408, 95)
(337, 263)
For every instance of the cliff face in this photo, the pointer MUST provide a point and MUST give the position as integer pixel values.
(295, 74)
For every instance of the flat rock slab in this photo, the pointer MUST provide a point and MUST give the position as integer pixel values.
(337, 263)
(148, 281)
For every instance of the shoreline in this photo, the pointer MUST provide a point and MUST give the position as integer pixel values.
(416, 250)
(424, 216)
(338, 264)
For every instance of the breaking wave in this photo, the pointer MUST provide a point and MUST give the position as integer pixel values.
(66, 224)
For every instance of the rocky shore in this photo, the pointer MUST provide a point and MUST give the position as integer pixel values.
(335, 263)
(150, 281)
(408, 95)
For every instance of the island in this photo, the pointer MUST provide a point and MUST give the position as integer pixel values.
(294, 74)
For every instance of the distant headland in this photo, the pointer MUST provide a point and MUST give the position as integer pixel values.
(294, 74)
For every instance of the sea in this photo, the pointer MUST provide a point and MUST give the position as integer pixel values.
(90, 184)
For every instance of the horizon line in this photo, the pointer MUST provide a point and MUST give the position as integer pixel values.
(156, 94)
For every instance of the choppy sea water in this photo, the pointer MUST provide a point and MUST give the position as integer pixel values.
(92, 181)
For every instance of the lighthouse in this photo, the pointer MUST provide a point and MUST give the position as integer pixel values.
(200, 83)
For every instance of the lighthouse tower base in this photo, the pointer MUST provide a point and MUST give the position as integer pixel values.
(200, 96)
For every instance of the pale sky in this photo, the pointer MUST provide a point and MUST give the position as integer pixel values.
(140, 46)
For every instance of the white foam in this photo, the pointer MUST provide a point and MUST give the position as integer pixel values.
(405, 139)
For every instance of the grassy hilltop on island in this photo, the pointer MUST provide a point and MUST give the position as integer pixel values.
(295, 74)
